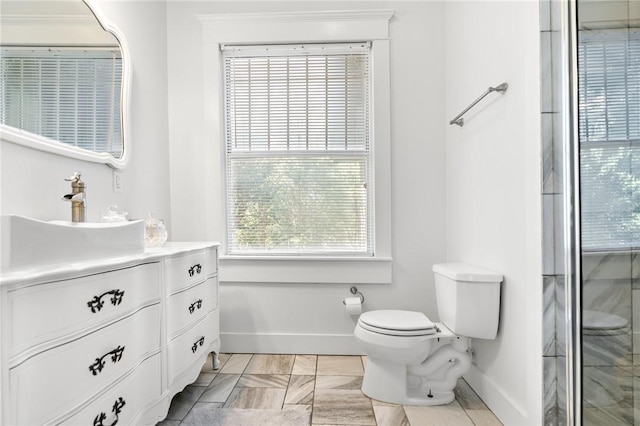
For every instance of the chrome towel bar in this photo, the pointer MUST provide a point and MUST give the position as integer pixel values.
(458, 118)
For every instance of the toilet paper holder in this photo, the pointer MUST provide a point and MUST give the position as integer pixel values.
(354, 291)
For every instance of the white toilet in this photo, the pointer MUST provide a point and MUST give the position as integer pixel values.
(606, 345)
(413, 361)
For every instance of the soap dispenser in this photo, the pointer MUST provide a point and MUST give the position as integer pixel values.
(155, 233)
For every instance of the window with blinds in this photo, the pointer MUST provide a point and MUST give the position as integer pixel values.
(71, 95)
(609, 127)
(298, 149)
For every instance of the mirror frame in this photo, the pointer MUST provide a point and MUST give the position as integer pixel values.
(32, 140)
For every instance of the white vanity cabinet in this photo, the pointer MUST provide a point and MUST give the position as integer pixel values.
(108, 341)
(191, 285)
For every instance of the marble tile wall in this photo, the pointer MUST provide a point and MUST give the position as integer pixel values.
(607, 375)
(554, 389)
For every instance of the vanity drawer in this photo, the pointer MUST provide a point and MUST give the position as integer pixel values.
(41, 313)
(187, 348)
(127, 401)
(53, 382)
(188, 306)
(186, 270)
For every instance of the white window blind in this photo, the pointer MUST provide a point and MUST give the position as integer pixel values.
(71, 95)
(609, 126)
(298, 149)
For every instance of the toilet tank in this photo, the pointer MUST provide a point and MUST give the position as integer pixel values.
(468, 299)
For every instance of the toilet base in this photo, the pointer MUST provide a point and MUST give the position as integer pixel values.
(389, 382)
(391, 378)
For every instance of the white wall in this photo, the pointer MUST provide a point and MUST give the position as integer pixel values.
(311, 317)
(493, 189)
(32, 182)
(469, 194)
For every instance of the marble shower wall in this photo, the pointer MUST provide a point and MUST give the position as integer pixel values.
(607, 354)
(554, 392)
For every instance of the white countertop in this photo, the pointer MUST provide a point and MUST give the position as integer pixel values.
(52, 272)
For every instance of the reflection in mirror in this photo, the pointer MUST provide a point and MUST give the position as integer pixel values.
(608, 74)
(62, 81)
(609, 124)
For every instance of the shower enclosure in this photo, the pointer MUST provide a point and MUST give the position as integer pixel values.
(601, 214)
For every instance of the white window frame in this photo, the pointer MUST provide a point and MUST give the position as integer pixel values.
(297, 27)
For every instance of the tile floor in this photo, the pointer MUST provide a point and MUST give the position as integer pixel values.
(283, 390)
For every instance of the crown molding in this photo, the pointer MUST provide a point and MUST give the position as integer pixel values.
(284, 17)
(58, 20)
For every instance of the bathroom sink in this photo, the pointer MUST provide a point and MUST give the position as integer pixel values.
(31, 243)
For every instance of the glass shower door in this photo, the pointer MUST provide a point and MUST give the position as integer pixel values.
(608, 71)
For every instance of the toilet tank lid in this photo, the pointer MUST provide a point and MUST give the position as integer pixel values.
(464, 272)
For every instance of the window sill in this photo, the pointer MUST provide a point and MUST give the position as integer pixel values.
(290, 269)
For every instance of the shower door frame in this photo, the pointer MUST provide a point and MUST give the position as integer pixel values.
(571, 209)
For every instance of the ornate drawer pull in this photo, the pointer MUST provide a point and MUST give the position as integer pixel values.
(97, 303)
(195, 305)
(197, 343)
(98, 365)
(195, 269)
(117, 407)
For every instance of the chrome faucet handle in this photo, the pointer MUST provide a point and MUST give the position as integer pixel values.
(76, 184)
(74, 178)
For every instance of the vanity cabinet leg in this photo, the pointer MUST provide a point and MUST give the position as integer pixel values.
(215, 361)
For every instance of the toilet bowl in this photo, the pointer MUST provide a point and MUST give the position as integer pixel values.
(395, 353)
(606, 344)
(414, 361)
(606, 339)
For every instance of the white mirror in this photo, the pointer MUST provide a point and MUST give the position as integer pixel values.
(65, 80)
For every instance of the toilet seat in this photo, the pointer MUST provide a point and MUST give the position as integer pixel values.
(603, 323)
(397, 323)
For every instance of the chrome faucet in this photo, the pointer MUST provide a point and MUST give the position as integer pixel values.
(77, 198)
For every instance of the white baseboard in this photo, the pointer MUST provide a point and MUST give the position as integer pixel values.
(286, 343)
(502, 406)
